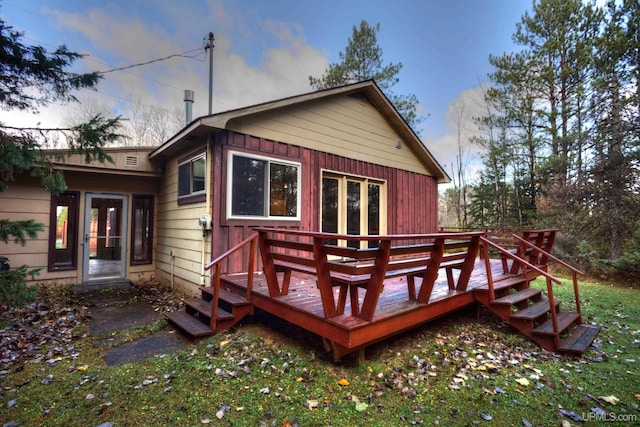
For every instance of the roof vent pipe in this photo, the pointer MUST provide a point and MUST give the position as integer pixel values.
(188, 105)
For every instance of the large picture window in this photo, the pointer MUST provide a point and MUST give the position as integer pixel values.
(260, 187)
(142, 230)
(191, 179)
(63, 231)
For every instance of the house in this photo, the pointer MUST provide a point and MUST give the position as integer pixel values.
(339, 196)
(339, 160)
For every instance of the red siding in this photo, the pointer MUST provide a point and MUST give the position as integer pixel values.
(411, 197)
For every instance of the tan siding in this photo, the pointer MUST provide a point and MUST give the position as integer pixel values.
(28, 200)
(178, 231)
(22, 202)
(349, 127)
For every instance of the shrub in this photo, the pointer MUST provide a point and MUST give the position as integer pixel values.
(14, 291)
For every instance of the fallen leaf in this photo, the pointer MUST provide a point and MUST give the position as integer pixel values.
(206, 421)
(572, 415)
(637, 395)
(361, 406)
(312, 403)
(610, 399)
(344, 382)
(523, 381)
(82, 368)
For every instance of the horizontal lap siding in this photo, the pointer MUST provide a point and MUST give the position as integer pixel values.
(24, 201)
(346, 126)
(178, 231)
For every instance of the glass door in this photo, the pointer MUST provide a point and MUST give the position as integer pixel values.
(105, 234)
(352, 205)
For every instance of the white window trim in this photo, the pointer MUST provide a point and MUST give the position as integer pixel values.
(268, 217)
(343, 178)
(191, 160)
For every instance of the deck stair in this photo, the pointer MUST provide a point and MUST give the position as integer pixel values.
(534, 314)
(196, 319)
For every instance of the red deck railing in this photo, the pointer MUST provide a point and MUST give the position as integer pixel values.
(216, 265)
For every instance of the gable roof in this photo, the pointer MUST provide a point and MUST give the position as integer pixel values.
(219, 121)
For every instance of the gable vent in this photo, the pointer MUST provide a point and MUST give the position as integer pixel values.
(131, 161)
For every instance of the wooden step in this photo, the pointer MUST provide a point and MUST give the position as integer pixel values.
(565, 319)
(517, 297)
(508, 282)
(189, 324)
(224, 295)
(535, 310)
(579, 339)
(204, 307)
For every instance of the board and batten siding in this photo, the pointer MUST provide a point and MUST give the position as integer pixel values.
(411, 197)
(349, 126)
(178, 231)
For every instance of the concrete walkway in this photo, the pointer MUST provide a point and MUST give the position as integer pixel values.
(113, 310)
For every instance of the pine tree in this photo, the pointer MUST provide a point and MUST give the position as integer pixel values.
(31, 78)
(362, 60)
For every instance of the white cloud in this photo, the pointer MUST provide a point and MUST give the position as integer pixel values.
(461, 128)
(112, 37)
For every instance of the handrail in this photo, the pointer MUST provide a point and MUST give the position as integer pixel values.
(528, 264)
(549, 278)
(542, 251)
(230, 251)
(574, 271)
(215, 277)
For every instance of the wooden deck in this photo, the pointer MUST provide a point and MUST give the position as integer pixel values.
(355, 296)
(395, 312)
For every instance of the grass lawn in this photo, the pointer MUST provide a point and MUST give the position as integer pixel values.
(460, 370)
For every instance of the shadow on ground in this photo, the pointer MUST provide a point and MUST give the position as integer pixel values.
(114, 311)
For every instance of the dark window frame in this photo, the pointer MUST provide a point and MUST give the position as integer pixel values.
(73, 221)
(192, 196)
(136, 199)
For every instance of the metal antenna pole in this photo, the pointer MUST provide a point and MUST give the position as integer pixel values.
(210, 47)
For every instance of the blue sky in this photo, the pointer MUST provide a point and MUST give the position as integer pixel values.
(266, 49)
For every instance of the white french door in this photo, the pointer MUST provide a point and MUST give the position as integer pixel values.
(353, 205)
(105, 237)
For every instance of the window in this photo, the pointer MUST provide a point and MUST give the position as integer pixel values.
(191, 179)
(142, 230)
(262, 188)
(63, 231)
(352, 205)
